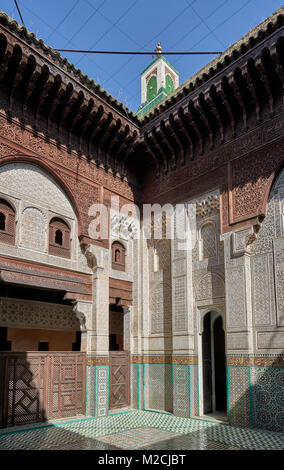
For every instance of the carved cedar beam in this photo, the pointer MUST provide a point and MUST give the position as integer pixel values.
(85, 120)
(30, 89)
(190, 121)
(159, 149)
(154, 152)
(228, 109)
(165, 145)
(232, 104)
(215, 113)
(56, 95)
(265, 82)
(106, 142)
(177, 119)
(118, 141)
(48, 81)
(233, 85)
(75, 116)
(6, 61)
(279, 70)
(205, 119)
(18, 77)
(100, 133)
(78, 108)
(251, 87)
(111, 132)
(198, 123)
(173, 134)
(127, 150)
(69, 100)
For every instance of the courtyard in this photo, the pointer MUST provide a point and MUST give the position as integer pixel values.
(138, 430)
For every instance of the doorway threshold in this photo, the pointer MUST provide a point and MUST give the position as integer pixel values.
(216, 417)
(118, 411)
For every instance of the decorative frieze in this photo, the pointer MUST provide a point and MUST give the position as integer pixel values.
(279, 278)
(39, 315)
(208, 286)
(236, 297)
(262, 290)
(186, 360)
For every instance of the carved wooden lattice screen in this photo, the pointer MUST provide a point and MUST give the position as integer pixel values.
(36, 386)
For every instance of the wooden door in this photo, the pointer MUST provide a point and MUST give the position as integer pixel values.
(207, 365)
(119, 373)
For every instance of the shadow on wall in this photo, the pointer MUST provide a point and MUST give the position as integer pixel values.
(37, 386)
(256, 395)
(265, 395)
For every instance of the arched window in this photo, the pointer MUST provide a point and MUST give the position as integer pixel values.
(7, 223)
(2, 221)
(118, 256)
(59, 238)
(208, 241)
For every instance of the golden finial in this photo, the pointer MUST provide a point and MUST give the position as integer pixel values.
(158, 49)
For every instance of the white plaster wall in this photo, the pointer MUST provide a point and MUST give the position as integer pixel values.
(37, 198)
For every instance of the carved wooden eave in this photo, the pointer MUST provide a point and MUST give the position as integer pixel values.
(199, 135)
(236, 99)
(43, 91)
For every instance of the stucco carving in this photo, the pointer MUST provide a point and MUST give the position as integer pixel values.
(32, 183)
(209, 286)
(279, 278)
(31, 314)
(124, 227)
(33, 229)
(208, 206)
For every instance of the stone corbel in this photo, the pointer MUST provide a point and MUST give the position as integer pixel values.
(82, 311)
(241, 240)
(95, 259)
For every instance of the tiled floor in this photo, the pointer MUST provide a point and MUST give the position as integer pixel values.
(139, 430)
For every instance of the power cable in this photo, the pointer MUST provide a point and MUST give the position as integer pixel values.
(152, 39)
(107, 31)
(204, 22)
(19, 11)
(137, 53)
(64, 19)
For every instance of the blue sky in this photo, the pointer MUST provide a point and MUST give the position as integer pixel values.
(137, 25)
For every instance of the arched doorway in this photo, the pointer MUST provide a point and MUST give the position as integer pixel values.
(213, 365)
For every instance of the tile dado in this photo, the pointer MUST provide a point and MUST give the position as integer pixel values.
(178, 360)
(256, 361)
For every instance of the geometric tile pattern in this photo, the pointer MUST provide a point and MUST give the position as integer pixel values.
(194, 391)
(97, 391)
(134, 385)
(90, 390)
(267, 392)
(238, 396)
(138, 437)
(138, 429)
(101, 391)
(158, 387)
(181, 375)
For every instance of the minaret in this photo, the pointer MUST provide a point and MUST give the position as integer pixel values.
(158, 80)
